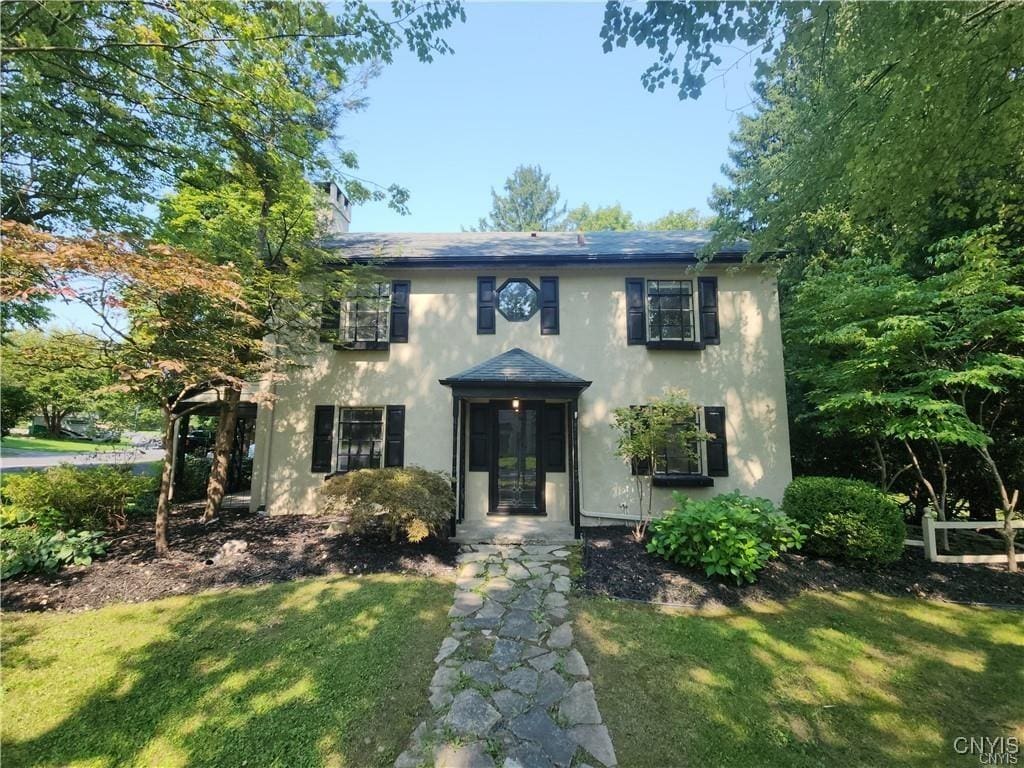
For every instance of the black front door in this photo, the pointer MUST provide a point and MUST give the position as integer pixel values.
(517, 474)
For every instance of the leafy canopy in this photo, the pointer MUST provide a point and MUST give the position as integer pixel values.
(107, 102)
(906, 116)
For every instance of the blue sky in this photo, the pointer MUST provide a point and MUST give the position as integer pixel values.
(529, 84)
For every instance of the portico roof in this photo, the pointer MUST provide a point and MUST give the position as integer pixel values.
(516, 368)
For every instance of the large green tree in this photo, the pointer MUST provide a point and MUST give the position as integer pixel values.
(603, 218)
(107, 102)
(530, 204)
(931, 361)
(59, 371)
(881, 169)
(168, 325)
(903, 116)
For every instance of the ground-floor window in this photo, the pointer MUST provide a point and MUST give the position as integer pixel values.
(680, 458)
(361, 438)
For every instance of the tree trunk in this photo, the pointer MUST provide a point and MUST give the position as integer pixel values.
(1009, 507)
(938, 504)
(163, 502)
(53, 418)
(222, 445)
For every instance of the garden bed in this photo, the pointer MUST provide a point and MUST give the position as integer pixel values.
(279, 548)
(617, 566)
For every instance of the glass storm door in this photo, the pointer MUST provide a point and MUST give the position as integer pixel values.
(516, 475)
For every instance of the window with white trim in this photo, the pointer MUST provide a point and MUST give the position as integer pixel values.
(670, 310)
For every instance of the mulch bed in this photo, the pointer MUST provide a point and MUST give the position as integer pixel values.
(279, 548)
(617, 566)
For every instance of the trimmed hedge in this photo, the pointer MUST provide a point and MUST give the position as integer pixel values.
(846, 519)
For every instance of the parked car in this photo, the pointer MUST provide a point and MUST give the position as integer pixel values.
(199, 441)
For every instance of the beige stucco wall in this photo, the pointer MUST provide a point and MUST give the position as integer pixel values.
(744, 373)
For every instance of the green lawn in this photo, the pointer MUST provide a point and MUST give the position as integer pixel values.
(322, 672)
(837, 679)
(51, 445)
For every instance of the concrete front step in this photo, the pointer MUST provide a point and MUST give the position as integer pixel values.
(514, 530)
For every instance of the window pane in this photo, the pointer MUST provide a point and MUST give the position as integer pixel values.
(668, 287)
(671, 328)
(672, 302)
(518, 300)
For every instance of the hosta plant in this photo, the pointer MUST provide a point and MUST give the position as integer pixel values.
(24, 549)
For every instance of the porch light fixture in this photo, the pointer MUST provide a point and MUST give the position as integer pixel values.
(515, 403)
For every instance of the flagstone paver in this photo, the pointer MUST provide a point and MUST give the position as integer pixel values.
(511, 689)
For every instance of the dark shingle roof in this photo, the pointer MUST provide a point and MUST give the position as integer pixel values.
(525, 248)
(516, 366)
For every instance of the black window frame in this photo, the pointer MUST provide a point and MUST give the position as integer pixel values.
(694, 459)
(536, 296)
(676, 479)
(687, 316)
(350, 307)
(345, 443)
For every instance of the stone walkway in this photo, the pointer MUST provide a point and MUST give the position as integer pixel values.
(511, 690)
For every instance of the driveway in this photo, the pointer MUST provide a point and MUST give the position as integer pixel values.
(14, 460)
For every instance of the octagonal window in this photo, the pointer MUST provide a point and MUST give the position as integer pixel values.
(518, 299)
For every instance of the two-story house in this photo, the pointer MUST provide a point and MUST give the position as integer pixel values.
(499, 357)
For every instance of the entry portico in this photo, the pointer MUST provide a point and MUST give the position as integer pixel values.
(515, 457)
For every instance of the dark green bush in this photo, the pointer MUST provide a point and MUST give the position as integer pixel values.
(24, 548)
(65, 498)
(195, 477)
(728, 535)
(846, 519)
(408, 499)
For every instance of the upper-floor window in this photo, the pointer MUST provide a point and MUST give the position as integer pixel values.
(361, 438)
(518, 299)
(670, 310)
(365, 314)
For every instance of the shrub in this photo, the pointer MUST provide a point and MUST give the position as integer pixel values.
(25, 548)
(67, 498)
(195, 477)
(729, 535)
(408, 499)
(847, 519)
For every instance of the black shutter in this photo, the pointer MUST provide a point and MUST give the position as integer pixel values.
(553, 436)
(636, 330)
(479, 437)
(707, 296)
(330, 320)
(394, 436)
(549, 307)
(323, 438)
(485, 305)
(718, 456)
(400, 290)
